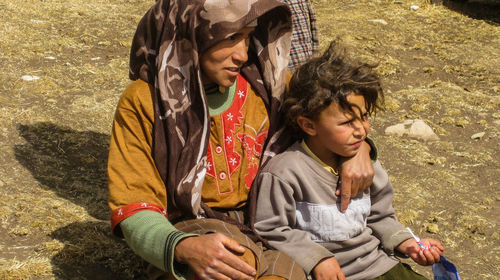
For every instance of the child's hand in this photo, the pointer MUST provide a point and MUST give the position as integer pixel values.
(328, 269)
(426, 256)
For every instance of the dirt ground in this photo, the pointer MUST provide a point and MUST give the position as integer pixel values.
(65, 63)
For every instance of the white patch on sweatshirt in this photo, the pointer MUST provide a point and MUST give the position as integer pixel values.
(325, 223)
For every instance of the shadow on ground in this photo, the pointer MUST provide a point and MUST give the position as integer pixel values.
(71, 163)
(81, 260)
(487, 10)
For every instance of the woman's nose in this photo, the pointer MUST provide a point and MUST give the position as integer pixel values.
(240, 51)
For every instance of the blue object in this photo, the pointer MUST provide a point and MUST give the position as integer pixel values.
(445, 270)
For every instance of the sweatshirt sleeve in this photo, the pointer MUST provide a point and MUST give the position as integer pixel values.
(382, 219)
(373, 149)
(275, 222)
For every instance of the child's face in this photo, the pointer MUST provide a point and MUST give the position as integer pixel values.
(338, 132)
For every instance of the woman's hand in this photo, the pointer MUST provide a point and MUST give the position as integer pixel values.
(214, 256)
(356, 174)
(429, 255)
(328, 269)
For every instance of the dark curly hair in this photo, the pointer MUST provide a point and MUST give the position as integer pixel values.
(329, 78)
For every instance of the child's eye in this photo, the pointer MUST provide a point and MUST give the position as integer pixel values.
(365, 116)
(348, 122)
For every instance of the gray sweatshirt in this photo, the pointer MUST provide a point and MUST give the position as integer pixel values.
(299, 214)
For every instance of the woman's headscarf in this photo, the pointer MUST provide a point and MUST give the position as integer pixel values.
(165, 53)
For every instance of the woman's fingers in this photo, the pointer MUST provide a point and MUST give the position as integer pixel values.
(356, 175)
(232, 244)
(211, 257)
(235, 266)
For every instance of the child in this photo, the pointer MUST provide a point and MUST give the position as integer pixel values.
(298, 210)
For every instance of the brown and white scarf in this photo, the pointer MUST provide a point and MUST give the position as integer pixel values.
(165, 53)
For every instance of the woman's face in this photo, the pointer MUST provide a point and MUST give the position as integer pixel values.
(221, 63)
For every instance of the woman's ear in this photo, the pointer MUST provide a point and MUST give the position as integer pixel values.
(307, 125)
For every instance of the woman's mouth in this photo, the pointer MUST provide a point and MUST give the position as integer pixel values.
(233, 70)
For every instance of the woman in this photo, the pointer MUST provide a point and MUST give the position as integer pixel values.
(191, 132)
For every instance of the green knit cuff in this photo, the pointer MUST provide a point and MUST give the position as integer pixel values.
(151, 236)
(373, 149)
(180, 271)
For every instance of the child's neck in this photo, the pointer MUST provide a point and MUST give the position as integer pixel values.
(326, 156)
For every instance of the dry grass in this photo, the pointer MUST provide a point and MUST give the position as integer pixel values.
(438, 65)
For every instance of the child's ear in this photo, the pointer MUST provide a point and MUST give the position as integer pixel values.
(307, 125)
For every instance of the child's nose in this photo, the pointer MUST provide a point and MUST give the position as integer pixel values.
(359, 128)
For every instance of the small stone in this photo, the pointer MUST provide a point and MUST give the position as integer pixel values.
(413, 128)
(50, 58)
(477, 135)
(420, 130)
(414, 7)
(432, 228)
(104, 43)
(29, 78)
(381, 21)
(397, 129)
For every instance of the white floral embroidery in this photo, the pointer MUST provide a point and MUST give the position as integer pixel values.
(229, 139)
(229, 117)
(241, 93)
(233, 161)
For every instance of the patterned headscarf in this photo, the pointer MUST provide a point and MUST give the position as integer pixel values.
(165, 53)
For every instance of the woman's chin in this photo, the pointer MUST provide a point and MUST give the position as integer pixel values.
(227, 82)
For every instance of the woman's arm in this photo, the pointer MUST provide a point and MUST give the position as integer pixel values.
(356, 173)
(137, 199)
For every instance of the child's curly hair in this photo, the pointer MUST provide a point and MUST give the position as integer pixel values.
(330, 78)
